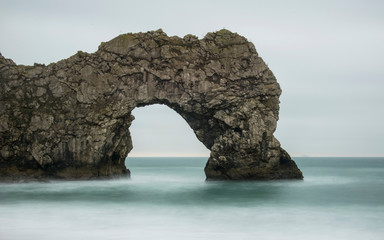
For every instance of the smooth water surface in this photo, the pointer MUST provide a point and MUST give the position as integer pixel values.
(168, 198)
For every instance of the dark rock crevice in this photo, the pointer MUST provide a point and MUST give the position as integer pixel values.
(71, 119)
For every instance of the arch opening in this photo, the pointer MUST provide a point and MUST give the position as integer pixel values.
(163, 140)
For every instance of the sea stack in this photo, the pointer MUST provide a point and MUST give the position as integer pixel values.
(71, 119)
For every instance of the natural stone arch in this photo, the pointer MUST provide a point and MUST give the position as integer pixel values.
(71, 119)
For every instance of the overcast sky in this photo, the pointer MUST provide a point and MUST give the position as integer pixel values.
(326, 55)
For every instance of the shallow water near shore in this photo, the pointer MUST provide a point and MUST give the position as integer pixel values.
(168, 198)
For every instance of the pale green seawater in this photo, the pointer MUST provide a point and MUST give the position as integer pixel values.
(168, 198)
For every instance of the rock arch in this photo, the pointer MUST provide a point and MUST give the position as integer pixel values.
(71, 119)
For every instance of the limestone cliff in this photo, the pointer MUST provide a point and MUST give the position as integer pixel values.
(71, 119)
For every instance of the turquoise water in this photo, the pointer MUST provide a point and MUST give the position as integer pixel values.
(167, 198)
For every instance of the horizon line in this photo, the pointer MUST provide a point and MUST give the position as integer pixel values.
(293, 156)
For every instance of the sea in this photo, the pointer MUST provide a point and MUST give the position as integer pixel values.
(168, 198)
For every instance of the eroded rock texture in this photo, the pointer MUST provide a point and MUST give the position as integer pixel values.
(71, 119)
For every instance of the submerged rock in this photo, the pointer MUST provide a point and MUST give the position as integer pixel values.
(71, 119)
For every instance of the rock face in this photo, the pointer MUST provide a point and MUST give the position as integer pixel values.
(71, 119)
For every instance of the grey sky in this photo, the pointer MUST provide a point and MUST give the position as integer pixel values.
(326, 55)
